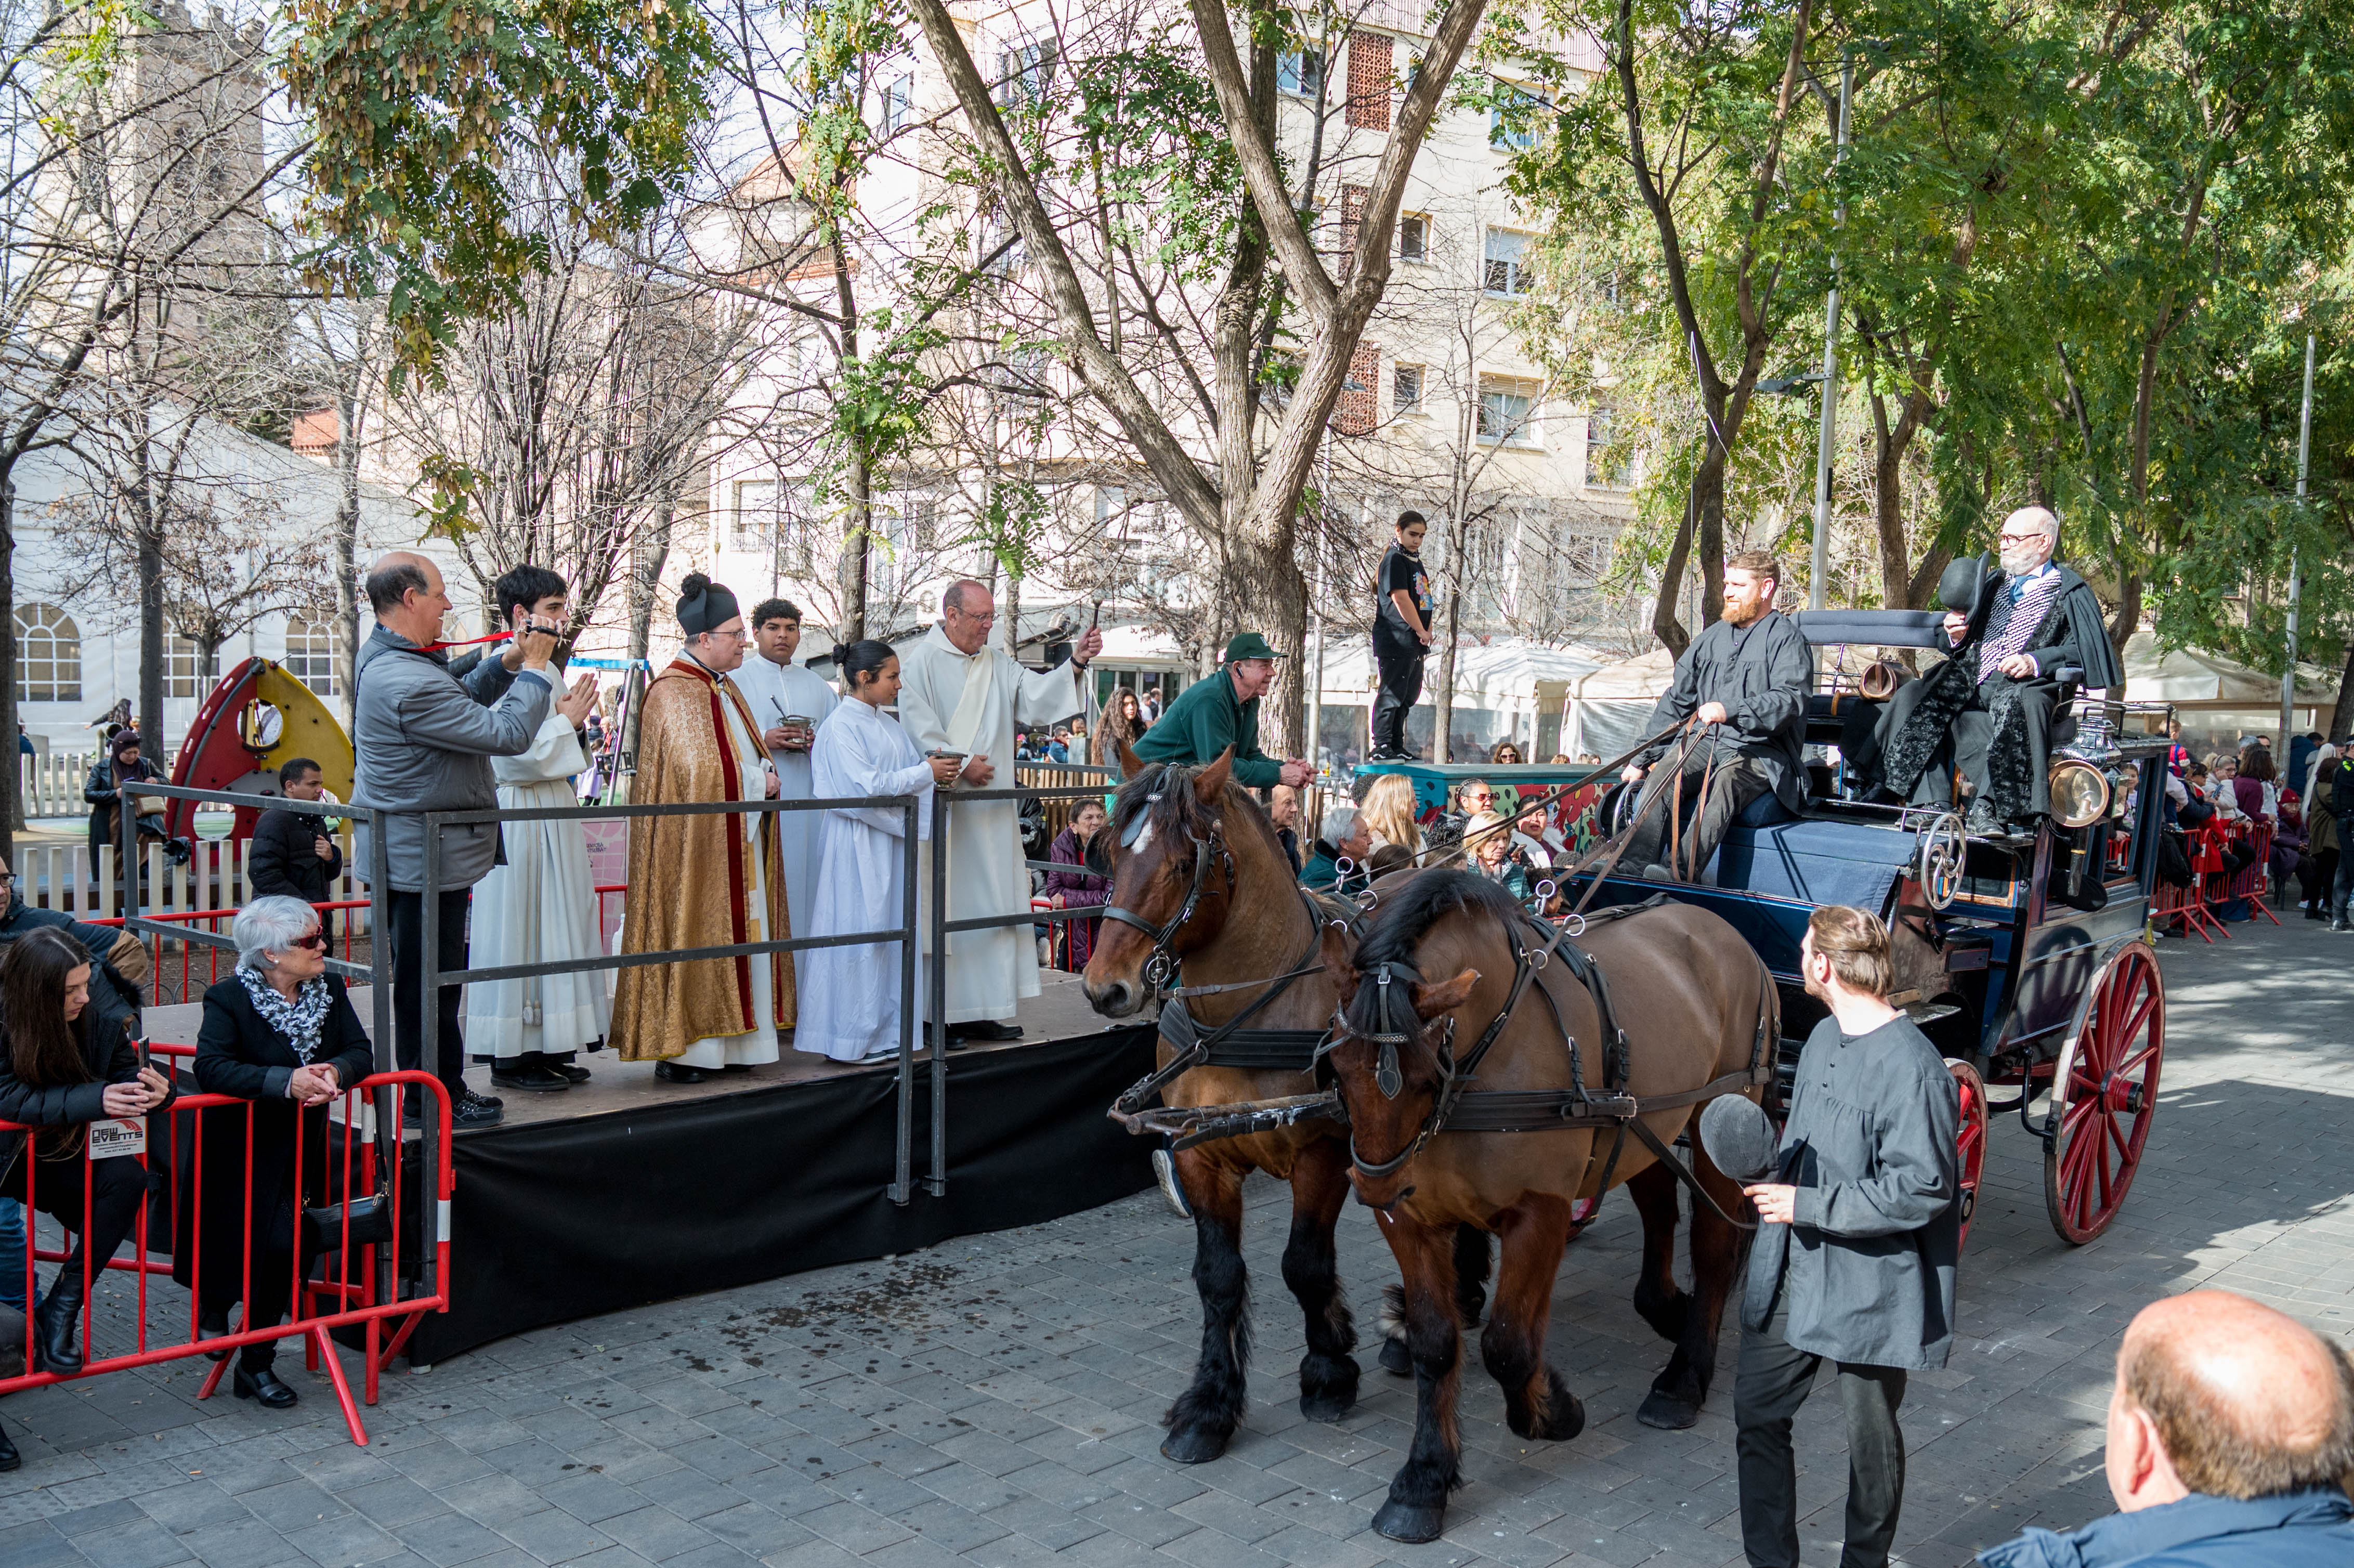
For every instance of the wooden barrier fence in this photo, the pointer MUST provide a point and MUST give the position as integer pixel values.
(62, 877)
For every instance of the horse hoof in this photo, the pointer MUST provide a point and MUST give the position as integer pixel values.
(1408, 1521)
(1667, 1413)
(1194, 1445)
(1327, 1406)
(1395, 1359)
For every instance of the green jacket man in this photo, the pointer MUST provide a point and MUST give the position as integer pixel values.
(1212, 714)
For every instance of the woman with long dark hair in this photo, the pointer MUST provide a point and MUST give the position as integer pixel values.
(68, 1060)
(1123, 722)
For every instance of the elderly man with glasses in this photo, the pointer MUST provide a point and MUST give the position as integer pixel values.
(1989, 710)
(962, 699)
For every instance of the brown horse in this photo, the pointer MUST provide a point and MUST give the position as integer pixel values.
(1696, 1006)
(1198, 861)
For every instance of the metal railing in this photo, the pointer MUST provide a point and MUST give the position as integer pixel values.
(908, 931)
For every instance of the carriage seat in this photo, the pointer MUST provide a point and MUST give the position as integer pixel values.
(1813, 860)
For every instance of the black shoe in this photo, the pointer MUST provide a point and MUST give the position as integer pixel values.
(2338, 923)
(577, 1075)
(674, 1073)
(984, 1029)
(473, 1110)
(542, 1079)
(213, 1329)
(9, 1458)
(262, 1383)
(1982, 820)
(736, 1068)
(2313, 914)
(54, 1322)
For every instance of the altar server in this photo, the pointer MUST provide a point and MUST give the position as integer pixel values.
(851, 1013)
(963, 698)
(791, 702)
(539, 905)
(705, 881)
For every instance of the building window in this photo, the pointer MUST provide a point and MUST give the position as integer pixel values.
(1023, 72)
(49, 655)
(1369, 81)
(1507, 410)
(1604, 465)
(898, 95)
(1507, 271)
(753, 522)
(185, 674)
(1414, 237)
(311, 654)
(1513, 120)
(1301, 73)
(1406, 390)
(1111, 503)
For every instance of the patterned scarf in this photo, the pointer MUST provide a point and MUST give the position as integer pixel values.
(300, 1020)
(2011, 624)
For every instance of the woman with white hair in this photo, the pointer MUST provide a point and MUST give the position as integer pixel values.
(280, 1031)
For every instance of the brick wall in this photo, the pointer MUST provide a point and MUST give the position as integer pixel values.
(1369, 81)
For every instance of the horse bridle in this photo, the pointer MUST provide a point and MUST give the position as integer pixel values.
(1163, 961)
(1389, 1035)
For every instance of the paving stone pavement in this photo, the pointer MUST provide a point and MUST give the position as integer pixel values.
(993, 1403)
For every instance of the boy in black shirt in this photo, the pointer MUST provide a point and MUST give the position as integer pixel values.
(1401, 636)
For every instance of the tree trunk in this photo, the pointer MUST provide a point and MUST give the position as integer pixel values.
(13, 796)
(862, 507)
(1009, 621)
(151, 634)
(1450, 577)
(2341, 717)
(346, 652)
(1270, 598)
(1665, 626)
(645, 586)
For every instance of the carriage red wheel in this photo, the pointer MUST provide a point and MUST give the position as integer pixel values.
(1969, 1136)
(2104, 1094)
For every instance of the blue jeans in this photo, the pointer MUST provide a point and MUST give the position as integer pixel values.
(11, 1253)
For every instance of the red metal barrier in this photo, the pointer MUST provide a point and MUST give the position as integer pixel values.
(350, 1285)
(2255, 879)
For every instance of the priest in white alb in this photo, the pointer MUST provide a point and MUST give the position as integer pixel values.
(791, 703)
(964, 697)
(538, 904)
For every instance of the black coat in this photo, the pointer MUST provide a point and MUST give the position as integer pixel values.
(110, 1025)
(282, 859)
(239, 1053)
(100, 791)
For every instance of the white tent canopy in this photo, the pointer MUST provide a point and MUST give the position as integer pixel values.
(2187, 677)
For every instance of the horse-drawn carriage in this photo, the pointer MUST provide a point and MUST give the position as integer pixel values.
(1464, 1068)
(2025, 959)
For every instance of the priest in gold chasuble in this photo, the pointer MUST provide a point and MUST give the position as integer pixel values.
(702, 881)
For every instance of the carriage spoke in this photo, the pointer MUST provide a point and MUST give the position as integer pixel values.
(2126, 1068)
(2117, 1137)
(2132, 1030)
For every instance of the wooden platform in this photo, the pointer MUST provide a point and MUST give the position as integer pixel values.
(1059, 1011)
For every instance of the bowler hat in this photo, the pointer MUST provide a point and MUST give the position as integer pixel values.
(1964, 580)
(1249, 645)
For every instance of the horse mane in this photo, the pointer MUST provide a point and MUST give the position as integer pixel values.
(1178, 811)
(1406, 917)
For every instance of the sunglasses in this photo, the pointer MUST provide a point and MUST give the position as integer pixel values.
(317, 941)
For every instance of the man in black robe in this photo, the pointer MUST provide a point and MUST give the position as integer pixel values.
(1989, 710)
(1746, 679)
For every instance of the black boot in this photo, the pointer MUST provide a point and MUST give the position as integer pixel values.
(10, 1459)
(262, 1384)
(54, 1322)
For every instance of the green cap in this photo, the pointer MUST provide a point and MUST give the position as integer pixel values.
(1249, 645)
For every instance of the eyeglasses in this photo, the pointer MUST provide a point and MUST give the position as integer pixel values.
(317, 941)
(2025, 538)
(988, 620)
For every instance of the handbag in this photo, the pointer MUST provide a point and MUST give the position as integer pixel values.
(371, 1223)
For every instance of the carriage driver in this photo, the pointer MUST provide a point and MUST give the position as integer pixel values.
(1746, 677)
(1858, 1236)
(1222, 711)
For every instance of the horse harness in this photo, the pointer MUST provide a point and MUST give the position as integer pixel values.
(1457, 1108)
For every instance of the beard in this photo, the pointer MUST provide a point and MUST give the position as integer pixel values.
(1742, 615)
(2019, 563)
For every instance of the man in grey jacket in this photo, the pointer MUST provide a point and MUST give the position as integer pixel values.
(423, 740)
(1856, 1248)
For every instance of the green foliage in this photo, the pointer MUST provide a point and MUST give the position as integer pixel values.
(1150, 137)
(416, 105)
